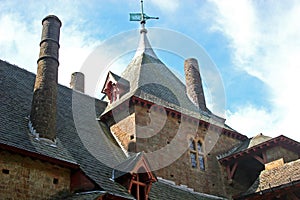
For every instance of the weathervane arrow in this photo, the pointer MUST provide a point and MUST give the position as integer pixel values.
(141, 17)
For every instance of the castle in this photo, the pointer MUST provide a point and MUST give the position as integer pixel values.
(144, 140)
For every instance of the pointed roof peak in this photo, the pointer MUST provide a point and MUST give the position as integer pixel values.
(144, 46)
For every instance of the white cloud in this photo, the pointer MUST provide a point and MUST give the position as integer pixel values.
(16, 41)
(251, 120)
(265, 42)
(166, 5)
(20, 35)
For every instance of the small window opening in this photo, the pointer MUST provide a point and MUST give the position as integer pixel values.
(55, 181)
(131, 137)
(5, 171)
(172, 175)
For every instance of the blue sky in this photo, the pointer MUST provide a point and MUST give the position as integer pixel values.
(255, 46)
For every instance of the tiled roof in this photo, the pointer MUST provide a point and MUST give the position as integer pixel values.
(91, 195)
(81, 140)
(165, 191)
(127, 165)
(77, 136)
(280, 177)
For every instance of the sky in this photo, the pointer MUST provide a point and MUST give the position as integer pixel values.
(255, 46)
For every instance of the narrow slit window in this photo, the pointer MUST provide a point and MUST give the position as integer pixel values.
(55, 181)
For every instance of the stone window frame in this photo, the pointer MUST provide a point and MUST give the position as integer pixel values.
(196, 155)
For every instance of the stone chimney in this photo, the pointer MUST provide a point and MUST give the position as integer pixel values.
(77, 81)
(194, 87)
(43, 110)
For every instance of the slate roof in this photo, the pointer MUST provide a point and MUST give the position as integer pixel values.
(246, 144)
(152, 81)
(80, 140)
(90, 195)
(129, 165)
(283, 176)
(161, 190)
(126, 166)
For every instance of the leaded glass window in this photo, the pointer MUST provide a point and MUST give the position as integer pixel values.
(196, 154)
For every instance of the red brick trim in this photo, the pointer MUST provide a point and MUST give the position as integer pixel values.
(176, 114)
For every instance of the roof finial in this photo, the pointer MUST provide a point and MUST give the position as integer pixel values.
(141, 17)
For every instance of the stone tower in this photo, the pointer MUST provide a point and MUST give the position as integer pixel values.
(43, 110)
(194, 88)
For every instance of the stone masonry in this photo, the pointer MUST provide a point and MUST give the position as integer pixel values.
(194, 87)
(153, 138)
(26, 178)
(43, 111)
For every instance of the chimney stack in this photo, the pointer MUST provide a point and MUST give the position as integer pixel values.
(77, 81)
(194, 87)
(43, 110)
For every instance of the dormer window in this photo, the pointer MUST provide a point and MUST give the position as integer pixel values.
(196, 154)
(139, 186)
(135, 174)
(115, 87)
(112, 92)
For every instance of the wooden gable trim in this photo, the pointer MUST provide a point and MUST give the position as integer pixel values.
(263, 159)
(231, 170)
(109, 78)
(281, 140)
(143, 163)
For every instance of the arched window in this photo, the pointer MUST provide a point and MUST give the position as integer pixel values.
(196, 154)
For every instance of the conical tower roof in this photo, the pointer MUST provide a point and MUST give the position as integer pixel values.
(151, 80)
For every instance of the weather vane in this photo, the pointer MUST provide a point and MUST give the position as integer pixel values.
(141, 17)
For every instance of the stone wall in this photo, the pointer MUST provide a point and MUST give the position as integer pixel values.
(167, 137)
(279, 152)
(124, 130)
(27, 178)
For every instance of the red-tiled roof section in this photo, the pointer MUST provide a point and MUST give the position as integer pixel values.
(277, 179)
